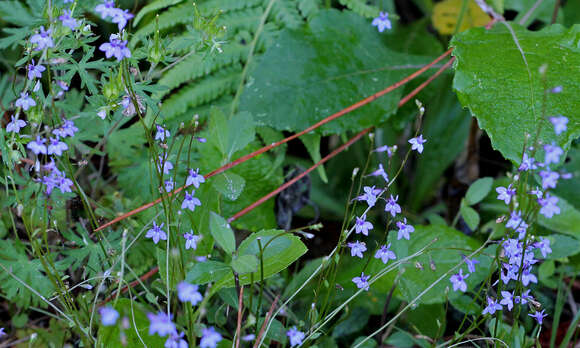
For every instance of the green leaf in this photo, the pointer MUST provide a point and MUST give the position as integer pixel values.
(153, 6)
(533, 10)
(308, 74)
(230, 185)
(567, 222)
(470, 216)
(312, 143)
(15, 12)
(231, 135)
(351, 322)
(208, 271)
(245, 264)
(478, 190)
(222, 233)
(497, 77)
(562, 246)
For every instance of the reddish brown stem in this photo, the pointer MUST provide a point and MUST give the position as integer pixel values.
(276, 144)
(266, 320)
(239, 328)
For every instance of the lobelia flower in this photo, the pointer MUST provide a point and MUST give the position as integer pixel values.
(539, 316)
(385, 254)
(363, 226)
(381, 172)
(42, 40)
(505, 194)
(176, 341)
(370, 195)
(15, 125)
(295, 336)
(492, 306)
(68, 21)
(458, 281)
(515, 220)
(106, 9)
(209, 338)
(194, 178)
(190, 202)
(164, 163)
(109, 315)
(121, 17)
(557, 89)
(417, 143)
(528, 277)
(528, 163)
(544, 246)
(522, 229)
(35, 71)
(508, 300)
(549, 206)
(169, 184)
(63, 86)
(25, 102)
(156, 233)
(470, 264)
(537, 192)
(68, 129)
(102, 114)
(553, 153)
(2, 333)
(37, 146)
(404, 229)
(162, 133)
(559, 124)
(392, 206)
(56, 147)
(549, 179)
(382, 22)
(191, 240)
(357, 248)
(161, 324)
(524, 298)
(362, 282)
(390, 150)
(188, 293)
(115, 47)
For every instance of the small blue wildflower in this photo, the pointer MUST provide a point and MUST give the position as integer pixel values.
(549, 179)
(417, 143)
(492, 306)
(528, 163)
(404, 229)
(392, 206)
(121, 17)
(363, 226)
(106, 9)
(539, 316)
(537, 192)
(385, 254)
(458, 281)
(37, 146)
(42, 40)
(156, 233)
(194, 178)
(557, 89)
(470, 264)
(161, 324)
(515, 220)
(188, 293)
(176, 341)
(389, 149)
(102, 114)
(164, 164)
(56, 147)
(169, 184)
(380, 172)
(295, 336)
(544, 246)
(357, 248)
(524, 298)
(116, 47)
(209, 338)
(553, 153)
(528, 277)
(382, 22)
(522, 229)
(162, 133)
(505, 194)
(508, 300)
(191, 240)
(109, 315)
(190, 202)
(68, 129)
(549, 206)
(15, 125)
(35, 71)
(370, 195)
(2, 333)
(68, 21)
(560, 124)
(25, 102)
(362, 282)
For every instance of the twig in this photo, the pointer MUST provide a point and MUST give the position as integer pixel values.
(530, 11)
(239, 328)
(266, 319)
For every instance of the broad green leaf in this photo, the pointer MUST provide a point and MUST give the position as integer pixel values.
(351, 322)
(478, 190)
(222, 233)
(497, 77)
(531, 10)
(231, 135)
(569, 189)
(310, 73)
(245, 264)
(230, 185)
(567, 222)
(208, 271)
(562, 246)
(470, 216)
(436, 323)
(312, 143)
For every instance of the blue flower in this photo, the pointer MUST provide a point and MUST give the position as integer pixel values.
(381, 172)
(508, 300)
(505, 194)
(194, 178)
(116, 47)
(363, 226)
(404, 230)
(559, 124)
(35, 71)
(42, 40)
(458, 281)
(121, 17)
(25, 102)
(68, 21)
(191, 240)
(549, 206)
(106, 9)
(392, 206)
(156, 233)
(68, 129)
(109, 315)
(15, 125)
(169, 184)
(370, 195)
(544, 246)
(188, 293)
(549, 179)
(528, 163)
(362, 282)
(162, 133)
(37, 146)
(161, 324)
(417, 143)
(470, 264)
(389, 149)
(164, 164)
(176, 341)
(492, 306)
(295, 336)
(515, 220)
(357, 248)
(190, 202)
(2, 333)
(385, 254)
(382, 22)
(209, 338)
(553, 153)
(56, 147)
(539, 316)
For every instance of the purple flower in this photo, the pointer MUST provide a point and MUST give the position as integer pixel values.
(42, 39)
(544, 246)
(121, 17)
(68, 21)
(470, 264)
(162, 133)
(176, 341)
(15, 125)
(109, 315)
(106, 9)
(392, 206)
(68, 129)
(557, 89)
(528, 163)
(549, 206)
(528, 277)
(115, 47)
(194, 178)
(458, 281)
(169, 184)
(505, 194)
(56, 147)
(515, 220)
(363, 226)
(537, 192)
(357, 248)
(385, 254)
(559, 124)
(25, 102)
(201, 140)
(209, 338)
(553, 153)
(102, 114)
(417, 143)
(161, 324)
(539, 316)
(370, 195)
(390, 150)
(404, 229)
(35, 71)
(492, 306)
(524, 298)
(188, 293)
(549, 179)
(295, 336)
(508, 300)
(382, 22)
(2, 333)
(164, 164)
(37, 146)
(156, 233)
(381, 172)
(190, 202)
(522, 229)
(362, 282)
(191, 240)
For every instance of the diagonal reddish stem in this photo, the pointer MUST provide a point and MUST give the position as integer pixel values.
(294, 136)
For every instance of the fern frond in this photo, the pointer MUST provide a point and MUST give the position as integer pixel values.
(214, 6)
(361, 7)
(308, 8)
(180, 14)
(246, 19)
(201, 92)
(156, 5)
(285, 11)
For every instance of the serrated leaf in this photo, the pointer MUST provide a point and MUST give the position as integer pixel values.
(470, 216)
(230, 185)
(497, 77)
(478, 190)
(245, 264)
(222, 233)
